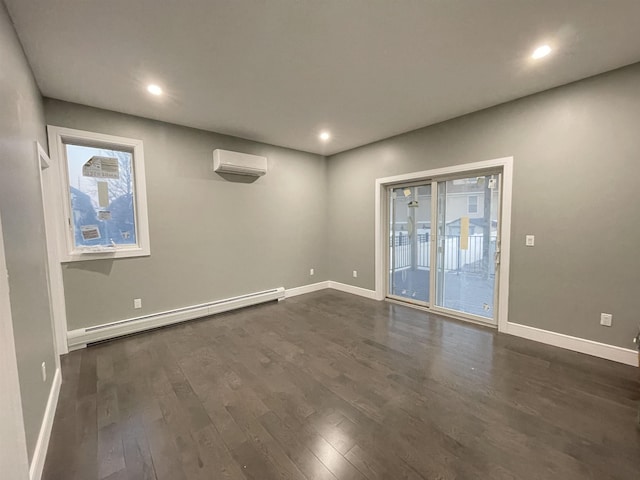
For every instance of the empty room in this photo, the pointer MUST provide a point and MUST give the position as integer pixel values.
(319, 240)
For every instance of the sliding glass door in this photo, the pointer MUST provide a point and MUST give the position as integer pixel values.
(462, 245)
(468, 213)
(410, 242)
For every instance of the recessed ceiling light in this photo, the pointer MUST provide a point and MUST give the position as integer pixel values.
(541, 51)
(324, 136)
(154, 89)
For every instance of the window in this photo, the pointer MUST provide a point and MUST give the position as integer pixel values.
(472, 204)
(104, 204)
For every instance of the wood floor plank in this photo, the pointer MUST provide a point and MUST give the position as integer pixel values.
(295, 448)
(166, 460)
(216, 455)
(378, 466)
(137, 456)
(110, 451)
(330, 386)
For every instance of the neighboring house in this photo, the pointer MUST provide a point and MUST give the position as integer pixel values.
(465, 198)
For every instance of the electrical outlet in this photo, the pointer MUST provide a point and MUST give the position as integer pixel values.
(311, 271)
(606, 319)
(137, 303)
(355, 274)
(44, 371)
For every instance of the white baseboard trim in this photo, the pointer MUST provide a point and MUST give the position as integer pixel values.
(343, 287)
(81, 337)
(576, 344)
(313, 287)
(42, 445)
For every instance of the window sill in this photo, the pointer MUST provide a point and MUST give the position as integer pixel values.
(105, 254)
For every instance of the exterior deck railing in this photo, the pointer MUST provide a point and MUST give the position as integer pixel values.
(469, 260)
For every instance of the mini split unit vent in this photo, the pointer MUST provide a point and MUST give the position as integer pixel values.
(225, 161)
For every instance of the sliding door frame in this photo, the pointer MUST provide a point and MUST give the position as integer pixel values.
(505, 166)
(389, 218)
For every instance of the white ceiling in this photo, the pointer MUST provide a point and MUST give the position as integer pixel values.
(279, 71)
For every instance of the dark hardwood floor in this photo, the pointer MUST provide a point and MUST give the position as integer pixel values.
(333, 386)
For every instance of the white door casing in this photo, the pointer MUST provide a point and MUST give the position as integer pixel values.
(50, 207)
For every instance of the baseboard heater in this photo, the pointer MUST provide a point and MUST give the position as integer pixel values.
(81, 337)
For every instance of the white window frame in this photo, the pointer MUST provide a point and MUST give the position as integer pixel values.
(58, 138)
(477, 205)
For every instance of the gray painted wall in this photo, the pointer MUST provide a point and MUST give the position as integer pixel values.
(576, 156)
(211, 238)
(21, 124)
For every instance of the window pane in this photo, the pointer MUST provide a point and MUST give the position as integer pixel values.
(102, 196)
(472, 204)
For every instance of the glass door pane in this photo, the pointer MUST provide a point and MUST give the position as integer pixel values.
(467, 227)
(410, 242)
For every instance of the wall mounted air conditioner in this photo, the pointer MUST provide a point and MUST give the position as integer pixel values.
(225, 161)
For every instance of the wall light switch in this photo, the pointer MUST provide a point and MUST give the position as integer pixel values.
(44, 371)
(137, 303)
(311, 271)
(530, 240)
(355, 274)
(606, 319)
